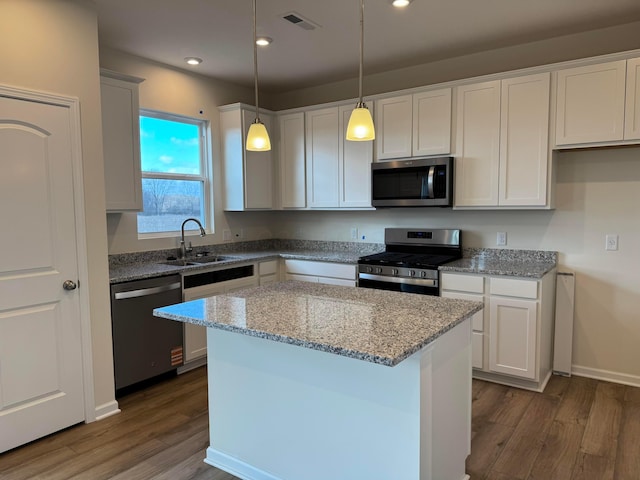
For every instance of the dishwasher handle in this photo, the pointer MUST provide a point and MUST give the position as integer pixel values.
(143, 292)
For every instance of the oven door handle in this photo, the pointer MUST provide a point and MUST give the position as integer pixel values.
(409, 281)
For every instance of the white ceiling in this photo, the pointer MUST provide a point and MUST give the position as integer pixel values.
(220, 32)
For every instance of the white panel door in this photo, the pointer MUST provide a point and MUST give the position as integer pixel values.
(590, 103)
(41, 383)
(524, 140)
(258, 167)
(355, 166)
(512, 336)
(632, 106)
(292, 176)
(323, 146)
(432, 122)
(393, 127)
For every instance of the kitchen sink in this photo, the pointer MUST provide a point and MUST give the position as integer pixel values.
(197, 260)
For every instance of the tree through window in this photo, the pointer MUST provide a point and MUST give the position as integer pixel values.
(175, 183)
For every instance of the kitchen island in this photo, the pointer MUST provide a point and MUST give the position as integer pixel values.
(310, 381)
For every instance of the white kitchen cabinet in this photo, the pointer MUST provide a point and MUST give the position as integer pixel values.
(632, 101)
(268, 272)
(248, 176)
(322, 151)
(512, 341)
(338, 171)
(502, 149)
(121, 141)
(354, 163)
(590, 103)
(320, 272)
(292, 161)
(413, 125)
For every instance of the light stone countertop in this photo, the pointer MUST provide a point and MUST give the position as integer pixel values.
(372, 325)
(507, 262)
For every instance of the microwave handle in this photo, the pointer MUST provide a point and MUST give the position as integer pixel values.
(430, 190)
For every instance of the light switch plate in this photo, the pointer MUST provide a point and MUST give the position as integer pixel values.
(501, 239)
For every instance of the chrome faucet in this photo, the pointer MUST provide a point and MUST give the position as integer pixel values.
(183, 248)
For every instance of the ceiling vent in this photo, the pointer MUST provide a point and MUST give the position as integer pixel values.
(300, 21)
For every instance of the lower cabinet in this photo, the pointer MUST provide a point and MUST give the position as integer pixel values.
(321, 272)
(513, 342)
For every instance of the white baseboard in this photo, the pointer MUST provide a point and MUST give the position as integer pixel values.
(606, 375)
(235, 467)
(106, 410)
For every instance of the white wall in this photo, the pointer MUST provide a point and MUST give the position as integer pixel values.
(175, 91)
(52, 45)
(597, 192)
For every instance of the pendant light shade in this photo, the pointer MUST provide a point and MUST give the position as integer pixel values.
(257, 137)
(360, 127)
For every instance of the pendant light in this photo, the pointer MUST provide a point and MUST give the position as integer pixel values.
(360, 127)
(257, 137)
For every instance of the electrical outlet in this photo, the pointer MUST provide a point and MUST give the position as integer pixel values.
(611, 242)
(354, 233)
(226, 235)
(501, 239)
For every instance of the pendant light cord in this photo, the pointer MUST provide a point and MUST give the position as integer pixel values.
(361, 101)
(255, 60)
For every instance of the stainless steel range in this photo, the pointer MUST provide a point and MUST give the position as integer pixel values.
(410, 260)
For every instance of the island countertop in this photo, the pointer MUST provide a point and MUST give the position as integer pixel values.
(372, 325)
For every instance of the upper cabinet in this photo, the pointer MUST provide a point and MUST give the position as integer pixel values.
(292, 161)
(121, 141)
(598, 103)
(502, 149)
(413, 125)
(248, 176)
(338, 171)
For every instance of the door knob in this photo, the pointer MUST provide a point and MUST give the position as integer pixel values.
(69, 285)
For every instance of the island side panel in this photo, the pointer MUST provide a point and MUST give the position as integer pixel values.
(283, 412)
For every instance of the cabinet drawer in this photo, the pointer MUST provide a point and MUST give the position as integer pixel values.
(268, 268)
(463, 283)
(514, 288)
(321, 269)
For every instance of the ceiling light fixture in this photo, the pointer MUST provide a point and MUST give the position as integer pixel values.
(264, 41)
(401, 3)
(257, 137)
(360, 127)
(193, 60)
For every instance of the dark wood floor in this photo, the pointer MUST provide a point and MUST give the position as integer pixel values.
(577, 429)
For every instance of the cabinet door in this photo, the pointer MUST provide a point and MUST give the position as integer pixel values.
(632, 107)
(432, 122)
(121, 145)
(292, 161)
(355, 166)
(258, 167)
(477, 144)
(590, 103)
(524, 140)
(195, 336)
(393, 127)
(323, 145)
(512, 336)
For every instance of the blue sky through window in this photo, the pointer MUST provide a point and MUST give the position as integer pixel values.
(170, 147)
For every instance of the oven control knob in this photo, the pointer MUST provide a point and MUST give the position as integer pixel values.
(412, 273)
(394, 271)
(378, 269)
(368, 269)
(423, 274)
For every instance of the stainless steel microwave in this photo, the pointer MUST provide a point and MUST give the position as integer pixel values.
(424, 182)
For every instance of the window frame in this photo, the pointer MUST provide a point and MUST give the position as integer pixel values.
(206, 172)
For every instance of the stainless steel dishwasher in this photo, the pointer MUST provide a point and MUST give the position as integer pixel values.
(145, 346)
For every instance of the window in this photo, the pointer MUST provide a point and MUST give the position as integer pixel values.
(175, 183)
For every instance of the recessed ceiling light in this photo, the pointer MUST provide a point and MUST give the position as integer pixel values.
(400, 3)
(193, 60)
(264, 41)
